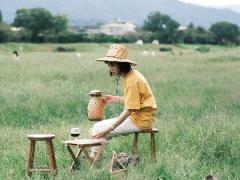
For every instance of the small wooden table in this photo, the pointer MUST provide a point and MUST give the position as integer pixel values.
(82, 144)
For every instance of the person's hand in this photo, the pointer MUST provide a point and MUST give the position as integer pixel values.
(107, 99)
(102, 134)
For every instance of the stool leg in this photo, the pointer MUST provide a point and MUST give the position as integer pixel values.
(135, 143)
(30, 157)
(51, 158)
(153, 147)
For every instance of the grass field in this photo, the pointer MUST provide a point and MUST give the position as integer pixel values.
(198, 95)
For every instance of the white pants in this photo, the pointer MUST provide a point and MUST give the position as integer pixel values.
(126, 127)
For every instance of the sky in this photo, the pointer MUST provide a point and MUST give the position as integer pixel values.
(214, 3)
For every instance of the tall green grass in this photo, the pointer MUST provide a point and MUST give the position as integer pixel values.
(197, 94)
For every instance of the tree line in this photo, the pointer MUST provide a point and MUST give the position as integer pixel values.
(39, 25)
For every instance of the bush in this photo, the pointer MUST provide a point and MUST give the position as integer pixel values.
(69, 38)
(63, 49)
(202, 49)
(165, 49)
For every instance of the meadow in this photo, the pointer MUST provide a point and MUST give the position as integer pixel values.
(198, 97)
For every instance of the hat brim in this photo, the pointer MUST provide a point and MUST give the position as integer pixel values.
(113, 59)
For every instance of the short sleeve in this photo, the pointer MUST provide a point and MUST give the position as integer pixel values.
(131, 96)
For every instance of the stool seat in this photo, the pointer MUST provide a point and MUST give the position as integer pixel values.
(40, 136)
(153, 130)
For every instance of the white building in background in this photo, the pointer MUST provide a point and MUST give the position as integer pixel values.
(118, 28)
(182, 28)
(115, 28)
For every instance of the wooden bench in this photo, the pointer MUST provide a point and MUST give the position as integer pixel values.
(52, 167)
(152, 142)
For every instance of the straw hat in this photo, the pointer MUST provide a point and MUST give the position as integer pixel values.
(117, 53)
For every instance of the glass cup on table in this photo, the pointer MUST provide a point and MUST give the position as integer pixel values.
(75, 132)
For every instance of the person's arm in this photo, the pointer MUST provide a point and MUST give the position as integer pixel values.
(123, 116)
(108, 99)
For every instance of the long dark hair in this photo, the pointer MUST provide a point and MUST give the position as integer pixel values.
(124, 67)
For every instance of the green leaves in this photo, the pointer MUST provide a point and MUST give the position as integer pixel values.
(39, 21)
(225, 32)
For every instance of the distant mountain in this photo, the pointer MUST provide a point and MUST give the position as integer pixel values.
(91, 11)
(235, 8)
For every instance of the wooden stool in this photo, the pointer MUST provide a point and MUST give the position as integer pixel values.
(153, 143)
(52, 167)
(82, 144)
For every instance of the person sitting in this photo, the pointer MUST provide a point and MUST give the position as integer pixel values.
(139, 101)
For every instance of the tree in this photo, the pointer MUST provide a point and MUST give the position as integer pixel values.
(5, 32)
(163, 27)
(189, 34)
(1, 16)
(197, 35)
(39, 22)
(36, 20)
(60, 24)
(225, 32)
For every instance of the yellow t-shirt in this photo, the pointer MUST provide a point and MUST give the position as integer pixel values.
(139, 98)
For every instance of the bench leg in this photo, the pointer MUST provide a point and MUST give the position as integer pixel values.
(51, 158)
(135, 143)
(153, 147)
(30, 157)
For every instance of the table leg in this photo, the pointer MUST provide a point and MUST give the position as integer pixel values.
(75, 158)
(87, 155)
(99, 155)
